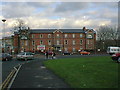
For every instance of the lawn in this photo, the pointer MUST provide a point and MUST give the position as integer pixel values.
(86, 72)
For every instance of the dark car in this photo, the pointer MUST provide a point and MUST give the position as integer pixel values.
(5, 56)
(25, 56)
(66, 53)
(116, 57)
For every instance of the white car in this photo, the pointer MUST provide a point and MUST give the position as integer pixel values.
(25, 56)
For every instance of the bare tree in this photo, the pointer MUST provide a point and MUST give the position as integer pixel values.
(18, 27)
(107, 36)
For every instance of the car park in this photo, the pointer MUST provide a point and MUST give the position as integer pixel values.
(66, 53)
(5, 56)
(25, 56)
(116, 57)
(84, 53)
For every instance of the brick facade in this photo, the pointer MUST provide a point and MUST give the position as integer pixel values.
(53, 39)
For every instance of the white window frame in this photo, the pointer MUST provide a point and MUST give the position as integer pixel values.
(74, 42)
(49, 42)
(41, 42)
(41, 35)
(66, 42)
(57, 35)
(33, 35)
(33, 42)
(81, 41)
(58, 42)
(66, 49)
(73, 49)
(81, 35)
(73, 35)
(49, 35)
(66, 35)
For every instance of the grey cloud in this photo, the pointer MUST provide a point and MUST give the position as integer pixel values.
(15, 10)
(71, 6)
(40, 4)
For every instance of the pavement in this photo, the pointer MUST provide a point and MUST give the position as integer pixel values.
(35, 75)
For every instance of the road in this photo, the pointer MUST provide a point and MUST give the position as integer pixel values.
(7, 66)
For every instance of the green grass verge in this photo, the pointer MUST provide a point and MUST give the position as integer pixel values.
(87, 72)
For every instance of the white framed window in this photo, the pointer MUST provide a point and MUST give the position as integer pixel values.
(33, 42)
(32, 35)
(88, 41)
(41, 36)
(74, 49)
(81, 42)
(49, 42)
(73, 42)
(66, 35)
(66, 49)
(26, 43)
(73, 35)
(41, 42)
(58, 42)
(58, 35)
(66, 42)
(81, 35)
(49, 35)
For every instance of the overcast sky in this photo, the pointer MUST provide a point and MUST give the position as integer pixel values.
(59, 14)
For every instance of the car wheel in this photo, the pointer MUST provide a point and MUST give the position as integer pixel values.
(118, 60)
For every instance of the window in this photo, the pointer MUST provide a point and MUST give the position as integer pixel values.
(81, 42)
(41, 42)
(49, 42)
(88, 41)
(66, 35)
(73, 49)
(73, 42)
(49, 35)
(41, 36)
(26, 43)
(66, 41)
(81, 35)
(32, 35)
(73, 35)
(58, 35)
(58, 42)
(66, 49)
(33, 42)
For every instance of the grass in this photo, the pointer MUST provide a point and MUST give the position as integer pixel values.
(87, 72)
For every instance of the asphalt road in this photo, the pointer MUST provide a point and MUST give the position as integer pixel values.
(7, 66)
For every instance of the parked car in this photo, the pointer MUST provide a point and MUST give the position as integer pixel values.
(25, 56)
(116, 57)
(5, 56)
(84, 53)
(66, 53)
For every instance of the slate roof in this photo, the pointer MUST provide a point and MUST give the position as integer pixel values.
(52, 30)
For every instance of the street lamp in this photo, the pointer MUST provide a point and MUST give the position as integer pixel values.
(103, 45)
(4, 20)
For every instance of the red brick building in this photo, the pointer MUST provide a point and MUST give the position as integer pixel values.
(71, 40)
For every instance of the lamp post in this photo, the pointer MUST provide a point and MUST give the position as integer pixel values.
(4, 20)
(103, 45)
